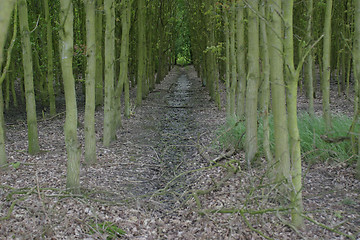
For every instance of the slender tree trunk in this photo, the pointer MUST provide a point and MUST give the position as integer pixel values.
(6, 9)
(240, 61)
(356, 58)
(227, 62)
(282, 158)
(109, 128)
(292, 83)
(50, 59)
(99, 78)
(33, 147)
(325, 85)
(141, 81)
(233, 76)
(124, 55)
(309, 81)
(89, 125)
(265, 87)
(70, 128)
(251, 145)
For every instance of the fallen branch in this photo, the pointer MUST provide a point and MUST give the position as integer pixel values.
(328, 139)
(327, 227)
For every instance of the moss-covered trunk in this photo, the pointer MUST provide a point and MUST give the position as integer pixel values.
(109, 127)
(251, 145)
(325, 81)
(282, 158)
(292, 76)
(89, 125)
(33, 141)
(70, 128)
(50, 60)
(6, 7)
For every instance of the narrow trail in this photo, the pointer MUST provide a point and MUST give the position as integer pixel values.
(170, 123)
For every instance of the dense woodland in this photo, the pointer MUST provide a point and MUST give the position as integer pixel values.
(68, 56)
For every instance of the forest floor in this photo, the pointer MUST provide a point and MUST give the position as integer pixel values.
(157, 181)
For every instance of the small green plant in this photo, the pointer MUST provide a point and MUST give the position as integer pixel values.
(109, 228)
(16, 165)
(315, 143)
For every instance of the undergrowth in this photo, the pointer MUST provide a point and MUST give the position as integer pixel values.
(312, 134)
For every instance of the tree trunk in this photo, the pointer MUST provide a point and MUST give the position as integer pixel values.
(109, 128)
(141, 74)
(70, 128)
(356, 58)
(292, 83)
(6, 8)
(265, 86)
(89, 125)
(50, 60)
(124, 55)
(33, 147)
(240, 61)
(251, 145)
(99, 98)
(309, 81)
(227, 62)
(282, 158)
(325, 85)
(233, 76)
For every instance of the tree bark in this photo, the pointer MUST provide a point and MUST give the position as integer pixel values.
(109, 128)
(292, 83)
(282, 158)
(325, 85)
(6, 8)
(99, 78)
(50, 60)
(356, 58)
(70, 128)
(251, 145)
(265, 86)
(240, 61)
(141, 53)
(89, 125)
(33, 141)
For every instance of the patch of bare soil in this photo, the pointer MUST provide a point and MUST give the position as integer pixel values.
(154, 182)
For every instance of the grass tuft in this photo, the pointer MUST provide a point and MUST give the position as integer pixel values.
(312, 133)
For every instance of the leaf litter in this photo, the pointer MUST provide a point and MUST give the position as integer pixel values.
(148, 183)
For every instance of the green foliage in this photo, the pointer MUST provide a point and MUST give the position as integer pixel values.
(110, 229)
(316, 144)
(312, 134)
(16, 165)
(183, 61)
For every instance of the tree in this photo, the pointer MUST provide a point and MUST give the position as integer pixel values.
(233, 74)
(325, 81)
(109, 128)
(141, 58)
(50, 60)
(90, 137)
(6, 7)
(70, 128)
(309, 81)
(241, 60)
(282, 158)
(33, 141)
(264, 97)
(124, 57)
(99, 98)
(292, 76)
(356, 56)
(251, 145)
